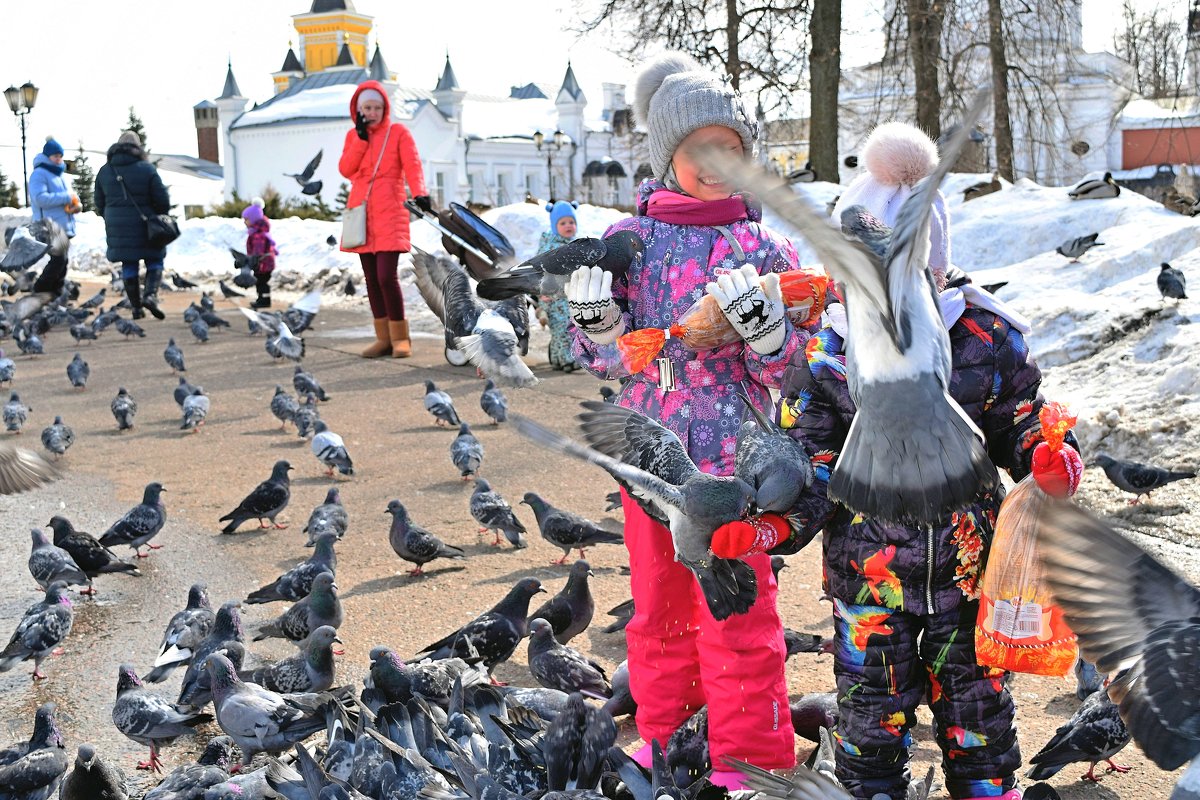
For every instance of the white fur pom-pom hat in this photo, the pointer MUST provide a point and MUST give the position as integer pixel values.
(897, 157)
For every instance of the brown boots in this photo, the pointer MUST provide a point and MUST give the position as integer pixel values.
(382, 346)
(401, 346)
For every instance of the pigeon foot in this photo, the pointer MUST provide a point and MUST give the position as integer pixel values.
(1120, 768)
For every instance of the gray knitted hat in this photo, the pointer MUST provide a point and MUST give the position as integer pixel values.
(674, 96)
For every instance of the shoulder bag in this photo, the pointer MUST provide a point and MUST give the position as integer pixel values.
(161, 229)
(354, 220)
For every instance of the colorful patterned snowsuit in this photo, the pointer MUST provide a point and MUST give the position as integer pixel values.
(558, 316)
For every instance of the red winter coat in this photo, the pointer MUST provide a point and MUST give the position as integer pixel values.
(387, 219)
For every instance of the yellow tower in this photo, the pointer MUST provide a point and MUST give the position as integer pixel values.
(329, 27)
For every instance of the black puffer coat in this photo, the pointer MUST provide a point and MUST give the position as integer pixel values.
(124, 225)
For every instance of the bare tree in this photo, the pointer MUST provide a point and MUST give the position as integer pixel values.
(825, 71)
(1001, 125)
(1154, 45)
(925, 18)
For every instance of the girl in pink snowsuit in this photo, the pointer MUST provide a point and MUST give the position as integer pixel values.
(696, 236)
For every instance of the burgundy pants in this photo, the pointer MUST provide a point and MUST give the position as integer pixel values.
(383, 287)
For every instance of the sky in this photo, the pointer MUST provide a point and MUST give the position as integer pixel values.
(97, 59)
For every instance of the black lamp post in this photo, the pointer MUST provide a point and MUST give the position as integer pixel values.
(21, 101)
(556, 142)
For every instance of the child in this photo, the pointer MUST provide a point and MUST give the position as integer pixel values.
(259, 243)
(905, 597)
(555, 311)
(698, 236)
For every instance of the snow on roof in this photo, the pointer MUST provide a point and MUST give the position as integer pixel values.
(492, 117)
(325, 102)
(1188, 109)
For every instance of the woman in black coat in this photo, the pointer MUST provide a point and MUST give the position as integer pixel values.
(128, 189)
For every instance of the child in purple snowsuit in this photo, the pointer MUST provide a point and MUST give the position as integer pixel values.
(259, 243)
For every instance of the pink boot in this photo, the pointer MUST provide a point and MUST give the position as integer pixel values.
(731, 781)
(644, 756)
(1011, 794)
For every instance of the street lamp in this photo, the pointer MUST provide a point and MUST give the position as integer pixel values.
(20, 102)
(556, 141)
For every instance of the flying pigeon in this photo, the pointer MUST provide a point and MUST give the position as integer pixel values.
(977, 190)
(200, 330)
(557, 666)
(897, 355)
(494, 403)
(440, 405)
(415, 544)
(774, 464)
(284, 407)
(148, 719)
(992, 288)
(306, 383)
(330, 450)
(81, 332)
(329, 517)
(37, 766)
(48, 563)
(22, 470)
(241, 261)
(24, 250)
(1139, 479)
(300, 314)
(141, 523)
(566, 530)
(15, 413)
(1094, 733)
(58, 437)
(1172, 283)
(89, 555)
(185, 630)
(570, 611)
(286, 344)
(1096, 189)
(575, 746)
(493, 636)
(310, 670)
(320, 607)
(1074, 248)
(189, 781)
(226, 631)
(93, 778)
(124, 409)
(181, 282)
(306, 417)
(296, 583)
(8, 368)
(78, 372)
(547, 273)
(174, 357)
(466, 452)
(182, 391)
(43, 627)
(492, 346)
(307, 185)
(195, 410)
(494, 513)
(228, 292)
(266, 502)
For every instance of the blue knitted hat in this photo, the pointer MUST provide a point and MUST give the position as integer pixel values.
(559, 210)
(52, 148)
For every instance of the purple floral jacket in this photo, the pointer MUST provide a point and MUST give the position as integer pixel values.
(679, 260)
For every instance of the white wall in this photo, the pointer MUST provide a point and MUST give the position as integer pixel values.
(265, 153)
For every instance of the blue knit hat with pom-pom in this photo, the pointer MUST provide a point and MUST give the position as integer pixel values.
(559, 210)
(52, 148)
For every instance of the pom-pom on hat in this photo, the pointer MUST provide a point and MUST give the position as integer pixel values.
(52, 148)
(559, 210)
(674, 95)
(897, 157)
(253, 213)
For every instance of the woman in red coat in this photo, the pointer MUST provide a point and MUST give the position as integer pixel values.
(375, 139)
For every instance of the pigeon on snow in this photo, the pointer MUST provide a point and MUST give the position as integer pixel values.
(1094, 733)
(1171, 282)
(296, 583)
(147, 718)
(441, 406)
(185, 631)
(329, 517)
(1074, 248)
(494, 635)
(494, 513)
(330, 450)
(415, 544)
(58, 437)
(91, 556)
(494, 403)
(93, 778)
(78, 372)
(124, 409)
(141, 523)
(320, 607)
(1139, 479)
(557, 666)
(567, 530)
(174, 357)
(37, 765)
(48, 563)
(43, 627)
(570, 611)
(466, 452)
(266, 502)
(15, 413)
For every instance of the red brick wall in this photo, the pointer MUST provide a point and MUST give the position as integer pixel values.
(206, 144)
(1171, 145)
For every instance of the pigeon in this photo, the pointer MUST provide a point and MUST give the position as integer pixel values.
(492, 346)
(103, 320)
(557, 666)
(206, 304)
(124, 409)
(795, 643)
(812, 712)
(440, 405)
(330, 450)
(286, 344)
(547, 273)
(148, 719)
(570, 611)
(992, 288)
(200, 330)
(246, 263)
(1139, 479)
(24, 250)
(1074, 248)
(89, 555)
(266, 502)
(608, 395)
(283, 406)
(415, 544)
(1171, 283)
(33, 770)
(225, 635)
(348, 288)
(494, 513)
(8, 368)
(189, 781)
(182, 391)
(306, 417)
(299, 315)
(1096, 189)
(195, 410)
(802, 784)
(58, 437)
(81, 332)
(181, 282)
(141, 523)
(307, 185)
(977, 190)
(28, 342)
(296, 583)
(566, 530)
(494, 403)
(228, 292)
(1088, 680)
(774, 464)
(623, 613)
(22, 470)
(15, 413)
(621, 703)
(191, 313)
(78, 372)
(329, 517)
(310, 670)
(466, 452)
(320, 607)
(93, 779)
(1094, 733)
(128, 328)
(432, 679)
(331, 240)
(897, 354)
(804, 175)
(493, 636)
(48, 563)
(43, 627)
(174, 357)
(259, 720)
(185, 630)
(305, 383)
(575, 745)
(213, 321)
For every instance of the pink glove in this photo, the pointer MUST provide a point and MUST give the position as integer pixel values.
(747, 537)
(1058, 473)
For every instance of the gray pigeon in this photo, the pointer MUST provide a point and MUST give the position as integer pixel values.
(58, 437)
(141, 523)
(22, 469)
(188, 781)
(200, 330)
(226, 631)
(1088, 679)
(413, 543)
(494, 403)
(185, 631)
(305, 178)
(81, 332)
(8, 368)
(306, 416)
(24, 250)
(1074, 248)
(283, 406)
(33, 770)
(148, 719)
(432, 679)
(557, 666)
(266, 502)
(1094, 733)
(78, 372)
(43, 627)
(296, 583)
(567, 530)
(124, 409)
(494, 513)
(493, 636)
(228, 291)
(174, 357)
(27, 341)
(570, 611)
(306, 383)
(320, 607)
(330, 450)
(466, 452)
(128, 328)
(1139, 479)
(286, 344)
(575, 745)
(195, 410)
(15, 413)
(182, 391)
(1171, 283)
(329, 517)
(93, 779)
(770, 461)
(812, 712)
(213, 321)
(493, 347)
(92, 557)
(801, 784)
(439, 404)
(621, 703)
(310, 670)
(897, 354)
(206, 303)
(48, 563)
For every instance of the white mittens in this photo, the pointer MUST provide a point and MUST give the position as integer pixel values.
(753, 306)
(590, 300)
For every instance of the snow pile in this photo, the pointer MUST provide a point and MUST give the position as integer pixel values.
(524, 223)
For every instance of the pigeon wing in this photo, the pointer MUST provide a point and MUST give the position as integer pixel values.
(22, 470)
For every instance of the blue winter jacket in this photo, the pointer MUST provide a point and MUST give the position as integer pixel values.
(49, 194)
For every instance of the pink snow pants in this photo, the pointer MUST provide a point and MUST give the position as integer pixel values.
(680, 658)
